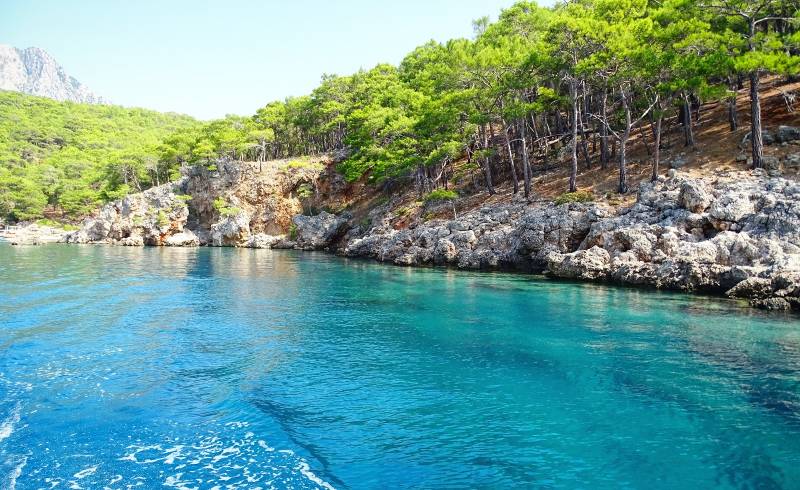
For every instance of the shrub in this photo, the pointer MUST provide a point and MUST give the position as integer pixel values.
(405, 211)
(227, 212)
(292, 231)
(441, 195)
(577, 196)
(48, 222)
(365, 223)
(183, 197)
(304, 162)
(223, 209)
(55, 224)
(162, 219)
(305, 191)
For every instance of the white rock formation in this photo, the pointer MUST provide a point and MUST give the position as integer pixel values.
(33, 71)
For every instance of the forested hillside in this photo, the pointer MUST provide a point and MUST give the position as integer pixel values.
(539, 88)
(67, 158)
(583, 75)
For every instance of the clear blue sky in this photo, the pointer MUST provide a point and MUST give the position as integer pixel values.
(211, 58)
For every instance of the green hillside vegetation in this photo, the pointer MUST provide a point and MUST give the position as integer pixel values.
(535, 86)
(67, 158)
(537, 81)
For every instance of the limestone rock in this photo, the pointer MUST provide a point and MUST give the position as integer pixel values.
(682, 233)
(695, 196)
(231, 231)
(592, 264)
(33, 71)
(318, 232)
(146, 218)
(186, 238)
(786, 134)
(755, 288)
(262, 240)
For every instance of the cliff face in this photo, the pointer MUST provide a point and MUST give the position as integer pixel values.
(230, 204)
(33, 71)
(736, 233)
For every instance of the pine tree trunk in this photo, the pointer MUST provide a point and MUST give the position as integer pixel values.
(687, 121)
(511, 158)
(573, 174)
(487, 167)
(526, 170)
(623, 144)
(604, 132)
(657, 155)
(733, 117)
(755, 118)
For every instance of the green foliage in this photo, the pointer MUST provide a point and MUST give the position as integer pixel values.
(229, 212)
(577, 196)
(55, 224)
(162, 219)
(444, 101)
(305, 191)
(292, 231)
(440, 195)
(71, 157)
(223, 209)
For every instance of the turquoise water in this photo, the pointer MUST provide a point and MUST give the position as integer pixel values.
(225, 368)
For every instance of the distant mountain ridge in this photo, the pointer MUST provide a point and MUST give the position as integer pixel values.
(33, 71)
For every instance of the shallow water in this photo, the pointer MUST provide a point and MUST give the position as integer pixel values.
(203, 368)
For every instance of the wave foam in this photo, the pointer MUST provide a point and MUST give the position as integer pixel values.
(238, 462)
(7, 427)
(11, 479)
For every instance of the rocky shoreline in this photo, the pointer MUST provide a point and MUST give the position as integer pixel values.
(736, 234)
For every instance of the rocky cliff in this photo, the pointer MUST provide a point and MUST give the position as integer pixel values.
(737, 233)
(224, 204)
(33, 71)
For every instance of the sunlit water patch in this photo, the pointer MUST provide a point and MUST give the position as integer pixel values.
(224, 368)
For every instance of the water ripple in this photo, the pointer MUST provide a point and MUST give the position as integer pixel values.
(212, 368)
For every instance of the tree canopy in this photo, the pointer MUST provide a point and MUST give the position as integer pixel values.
(536, 86)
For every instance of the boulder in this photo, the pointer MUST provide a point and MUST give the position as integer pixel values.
(318, 232)
(592, 264)
(678, 162)
(792, 161)
(755, 288)
(231, 231)
(262, 240)
(132, 241)
(695, 196)
(786, 134)
(445, 252)
(186, 238)
(732, 207)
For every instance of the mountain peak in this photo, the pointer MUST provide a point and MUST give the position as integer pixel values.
(34, 71)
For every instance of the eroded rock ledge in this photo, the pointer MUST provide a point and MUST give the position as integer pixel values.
(736, 234)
